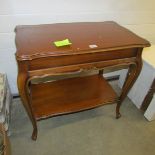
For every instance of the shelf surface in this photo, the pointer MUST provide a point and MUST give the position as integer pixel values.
(70, 95)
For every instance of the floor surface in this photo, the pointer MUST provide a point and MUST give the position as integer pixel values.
(92, 132)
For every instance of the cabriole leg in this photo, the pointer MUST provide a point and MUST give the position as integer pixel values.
(22, 87)
(133, 73)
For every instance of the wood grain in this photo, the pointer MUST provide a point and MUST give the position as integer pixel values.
(37, 41)
(37, 57)
(70, 95)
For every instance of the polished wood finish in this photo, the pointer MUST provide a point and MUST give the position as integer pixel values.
(37, 41)
(148, 97)
(55, 98)
(38, 57)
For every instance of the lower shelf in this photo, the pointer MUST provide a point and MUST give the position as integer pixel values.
(70, 95)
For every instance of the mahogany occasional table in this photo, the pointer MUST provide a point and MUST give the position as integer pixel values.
(95, 46)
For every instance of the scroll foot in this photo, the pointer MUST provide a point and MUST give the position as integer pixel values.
(34, 134)
(118, 115)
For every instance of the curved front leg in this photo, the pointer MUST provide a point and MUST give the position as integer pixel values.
(133, 73)
(22, 87)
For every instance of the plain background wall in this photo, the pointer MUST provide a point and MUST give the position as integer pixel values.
(137, 15)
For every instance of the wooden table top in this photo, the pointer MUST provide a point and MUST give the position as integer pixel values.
(33, 41)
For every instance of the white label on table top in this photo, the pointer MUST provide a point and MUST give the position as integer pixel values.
(93, 46)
